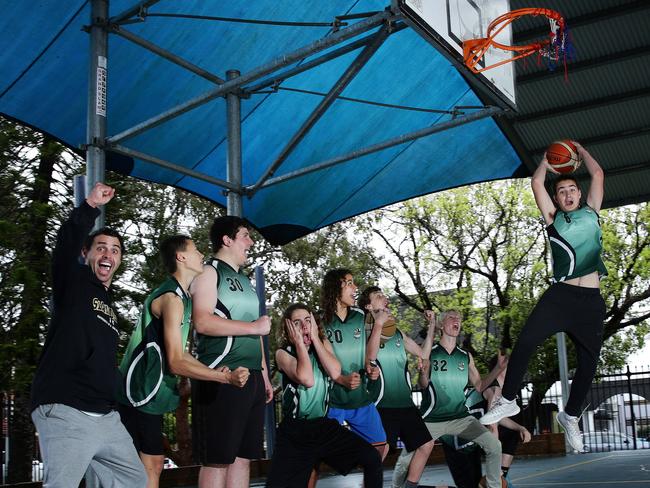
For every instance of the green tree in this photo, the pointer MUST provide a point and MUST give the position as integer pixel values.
(488, 242)
(31, 166)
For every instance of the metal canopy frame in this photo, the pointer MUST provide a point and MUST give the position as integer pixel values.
(233, 89)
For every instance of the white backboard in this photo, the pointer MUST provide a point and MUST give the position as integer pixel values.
(447, 23)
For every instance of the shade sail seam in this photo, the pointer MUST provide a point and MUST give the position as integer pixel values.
(43, 51)
(334, 24)
(368, 102)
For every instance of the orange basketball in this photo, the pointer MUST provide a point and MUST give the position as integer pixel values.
(563, 156)
(387, 331)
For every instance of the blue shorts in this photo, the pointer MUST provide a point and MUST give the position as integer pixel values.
(364, 421)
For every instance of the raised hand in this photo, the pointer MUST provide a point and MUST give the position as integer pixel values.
(544, 162)
(381, 316)
(313, 328)
(502, 361)
(294, 331)
(101, 194)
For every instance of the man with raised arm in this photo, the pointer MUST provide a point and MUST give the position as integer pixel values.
(227, 421)
(573, 304)
(73, 393)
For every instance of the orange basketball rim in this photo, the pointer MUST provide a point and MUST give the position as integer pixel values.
(475, 49)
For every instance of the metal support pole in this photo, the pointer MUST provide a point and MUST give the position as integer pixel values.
(628, 376)
(79, 188)
(269, 418)
(233, 108)
(564, 373)
(96, 116)
(563, 365)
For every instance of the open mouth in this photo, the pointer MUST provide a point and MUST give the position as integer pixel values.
(105, 266)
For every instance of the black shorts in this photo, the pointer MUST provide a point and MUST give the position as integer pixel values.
(509, 440)
(145, 429)
(405, 423)
(301, 444)
(464, 465)
(227, 421)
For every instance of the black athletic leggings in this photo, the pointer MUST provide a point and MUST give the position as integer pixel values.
(579, 312)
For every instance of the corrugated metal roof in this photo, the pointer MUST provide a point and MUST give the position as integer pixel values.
(604, 104)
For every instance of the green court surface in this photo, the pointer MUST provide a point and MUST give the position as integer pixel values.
(629, 469)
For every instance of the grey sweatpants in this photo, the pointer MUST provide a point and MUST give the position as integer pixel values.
(72, 442)
(468, 428)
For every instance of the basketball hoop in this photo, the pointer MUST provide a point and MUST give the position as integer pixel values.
(554, 48)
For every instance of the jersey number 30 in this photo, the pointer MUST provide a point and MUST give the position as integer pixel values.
(234, 284)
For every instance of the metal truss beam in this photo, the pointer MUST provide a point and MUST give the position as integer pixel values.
(174, 167)
(278, 63)
(355, 67)
(163, 53)
(395, 141)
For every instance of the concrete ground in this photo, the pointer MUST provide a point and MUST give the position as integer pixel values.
(629, 469)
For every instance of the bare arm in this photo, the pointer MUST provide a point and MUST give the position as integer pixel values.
(430, 315)
(423, 378)
(597, 185)
(508, 423)
(170, 307)
(325, 352)
(204, 297)
(542, 198)
(374, 341)
(412, 348)
(475, 377)
(268, 387)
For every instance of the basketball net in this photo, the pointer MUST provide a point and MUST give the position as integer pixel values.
(555, 48)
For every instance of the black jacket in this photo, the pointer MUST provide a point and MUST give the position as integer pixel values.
(78, 363)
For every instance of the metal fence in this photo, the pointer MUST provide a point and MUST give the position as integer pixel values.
(616, 415)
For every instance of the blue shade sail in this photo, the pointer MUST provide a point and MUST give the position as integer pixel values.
(44, 84)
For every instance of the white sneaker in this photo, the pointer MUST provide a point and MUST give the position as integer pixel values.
(571, 430)
(500, 409)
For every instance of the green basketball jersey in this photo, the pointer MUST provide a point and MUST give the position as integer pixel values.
(477, 406)
(393, 387)
(576, 242)
(300, 402)
(348, 340)
(444, 398)
(145, 380)
(236, 300)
